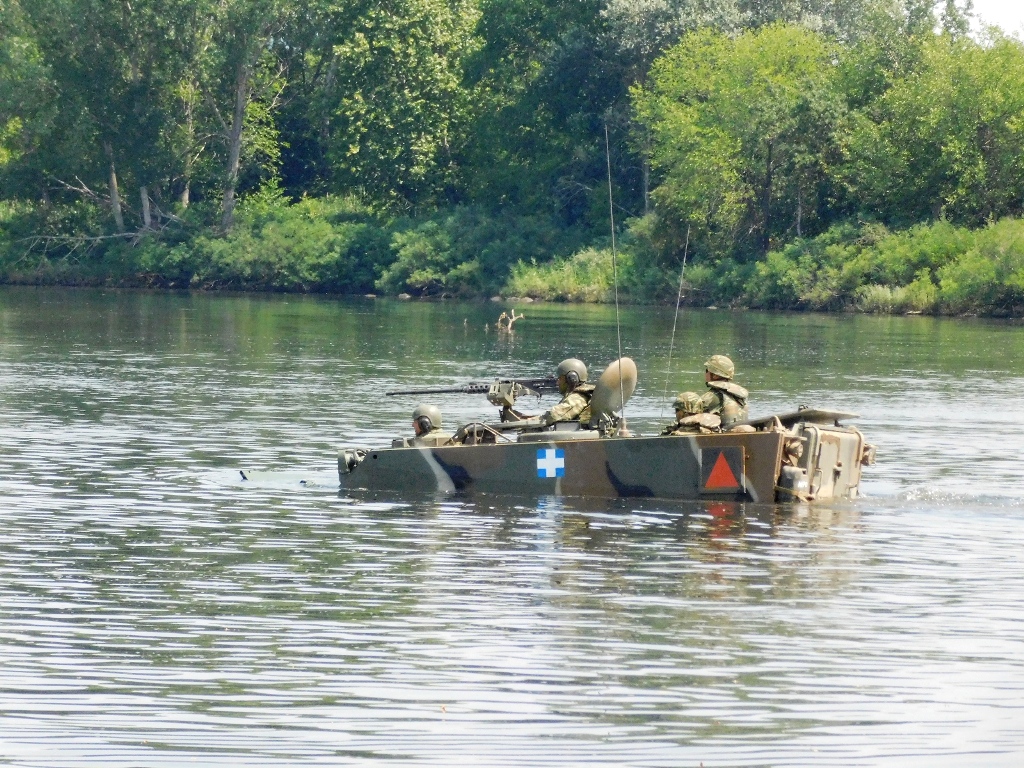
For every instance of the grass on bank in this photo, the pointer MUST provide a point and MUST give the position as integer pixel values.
(586, 276)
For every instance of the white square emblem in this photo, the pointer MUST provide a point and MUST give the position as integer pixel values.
(550, 462)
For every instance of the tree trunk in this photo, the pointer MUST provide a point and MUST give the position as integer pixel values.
(235, 145)
(188, 103)
(767, 204)
(115, 197)
(799, 211)
(147, 216)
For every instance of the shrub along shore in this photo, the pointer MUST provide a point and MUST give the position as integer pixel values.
(927, 269)
(339, 246)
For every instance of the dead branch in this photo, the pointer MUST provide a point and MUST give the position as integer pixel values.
(82, 189)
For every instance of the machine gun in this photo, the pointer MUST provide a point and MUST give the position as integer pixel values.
(500, 392)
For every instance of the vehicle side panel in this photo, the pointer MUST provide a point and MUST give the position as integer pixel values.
(673, 467)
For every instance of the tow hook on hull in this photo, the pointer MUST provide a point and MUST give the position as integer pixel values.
(350, 458)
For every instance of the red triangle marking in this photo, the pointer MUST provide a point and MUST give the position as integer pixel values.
(722, 475)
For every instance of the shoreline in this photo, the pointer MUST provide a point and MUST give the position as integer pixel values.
(517, 301)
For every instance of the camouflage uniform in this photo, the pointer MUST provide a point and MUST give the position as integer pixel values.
(697, 424)
(574, 406)
(726, 399)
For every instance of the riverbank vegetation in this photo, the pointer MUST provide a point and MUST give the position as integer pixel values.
(835, 155)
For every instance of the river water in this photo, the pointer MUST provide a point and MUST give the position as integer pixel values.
(156, 610)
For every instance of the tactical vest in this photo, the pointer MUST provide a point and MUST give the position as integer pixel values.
(734, 401)
(587, 391)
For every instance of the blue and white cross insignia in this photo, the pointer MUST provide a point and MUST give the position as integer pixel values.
(550, 462)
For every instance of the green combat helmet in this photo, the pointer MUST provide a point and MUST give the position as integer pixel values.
(687, 402)
(720, 365)
(430, 415)
(574, 372)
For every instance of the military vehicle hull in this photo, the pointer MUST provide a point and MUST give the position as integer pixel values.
(741, 466)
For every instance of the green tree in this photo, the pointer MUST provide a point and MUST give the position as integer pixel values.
(26, 109)
(741, 132)
(93, 54)
(242, 70)
(643, 29)
(112, 68)
(393, 104)
(956, 17)
(545, 80)
(839, 19)
(944, 140)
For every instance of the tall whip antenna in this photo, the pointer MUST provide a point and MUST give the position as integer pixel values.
(615, 277)
(672, 342)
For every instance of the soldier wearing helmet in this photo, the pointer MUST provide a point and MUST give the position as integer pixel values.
(576, 394)
(724, 397)
(690, 420)
(426, 423)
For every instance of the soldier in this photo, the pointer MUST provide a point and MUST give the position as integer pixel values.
(576, 394)
(426, 423)
(724, 397)
(690, 420)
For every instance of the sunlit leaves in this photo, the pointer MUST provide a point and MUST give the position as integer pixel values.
(395, 102)
(740, 128)
(945, 139)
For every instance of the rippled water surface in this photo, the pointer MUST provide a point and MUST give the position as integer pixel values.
(156, 610)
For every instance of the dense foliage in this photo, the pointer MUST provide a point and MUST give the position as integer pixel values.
(822, 154)
(934, 267)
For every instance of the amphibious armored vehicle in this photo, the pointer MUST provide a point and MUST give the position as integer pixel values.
(800, 456)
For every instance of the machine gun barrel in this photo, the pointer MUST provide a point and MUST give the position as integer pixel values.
(472, 388)
(540, 386)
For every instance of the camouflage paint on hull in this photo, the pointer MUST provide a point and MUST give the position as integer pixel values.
(724, 467)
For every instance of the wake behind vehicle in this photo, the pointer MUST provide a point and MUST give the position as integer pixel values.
(804, 455)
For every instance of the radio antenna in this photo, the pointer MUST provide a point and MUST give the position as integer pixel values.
(672, 342)
(615, 280)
